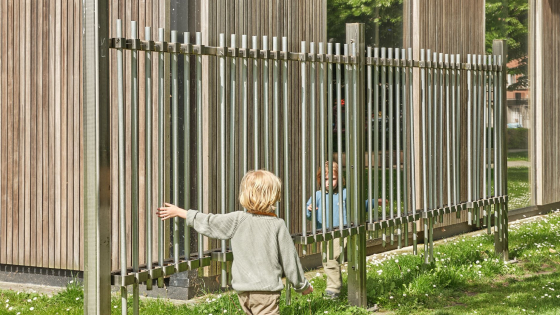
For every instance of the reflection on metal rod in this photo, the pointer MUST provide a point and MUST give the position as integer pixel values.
(223, 175)
(175, 143)
(148, 165)
(187, 141)
(199, 139)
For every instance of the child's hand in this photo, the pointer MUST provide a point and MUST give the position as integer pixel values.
(171, 211)
(308, 290)
(310, 206)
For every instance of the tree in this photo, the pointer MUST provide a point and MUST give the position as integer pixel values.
(509, 19)
(382, 19)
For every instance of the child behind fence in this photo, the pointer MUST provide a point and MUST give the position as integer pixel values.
(262, 247)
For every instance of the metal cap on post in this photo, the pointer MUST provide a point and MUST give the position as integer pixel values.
(355, 34)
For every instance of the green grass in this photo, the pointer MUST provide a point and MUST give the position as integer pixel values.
(465, 278)
(518, 156)
(519, 190)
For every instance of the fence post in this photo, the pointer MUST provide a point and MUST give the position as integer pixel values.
(499, 48)
(355, 36)
(97, 148)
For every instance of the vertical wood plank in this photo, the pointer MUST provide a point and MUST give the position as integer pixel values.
(69, 130)
(45, 135)
(31, 88)
(3, 130)
(62, 133)
(81, 85)
(76, 104)
(17, 228)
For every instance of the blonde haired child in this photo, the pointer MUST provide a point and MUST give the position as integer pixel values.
(262, 248)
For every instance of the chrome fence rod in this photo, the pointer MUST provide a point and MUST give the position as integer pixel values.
(222, 172)
(161, 154)
(329, 130)
(276, 122)
(405, 144)
(397, 140)
(489, 141)
(175, 143)
(500, 128)
(440, 132)
(347, 131)
(265, 105)
(430, 157)
(412, 152)
(148, 165)
(244, 98)
(447, 131)
(383, 139)
(484, 137)
(187, 141)
(432, 140)
(469, 140)
(369, 134)
(424, 153)
(285, 94)
(312, 116)
(134, 165)
(232, 125)
(475, 122)
(256, 102)
(356, 204)
(199, 139)
(322, 146)
(121, 170)
(458, 133)
(376, 136)
(304, 145)
(391, 135)
(453, 141)
(341, 204)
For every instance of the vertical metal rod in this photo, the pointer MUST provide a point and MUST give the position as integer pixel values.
(223, 175)
(256, 103)
(175, 143)
(469, 140)
(500, 147)
(484, 135)
(286, 166)
(391, 134)
(369, 135)
(276, 118)
(265, 105)
(330, 135)
(440, 133)
(489, 141)
(134, 165)
(357, 204)
(312, 116)
(412, 153)
(433, 129)
(453, 141)
(475, 121)
(148, 187)
(430, 156)
(458, 133)
(199, 161)
(347, 105)
(121, 152)
(424, 153)
(383, 137)
(447, 131)
(187, 141)
(232, 125)
(397, 141)
(304, 146)
(376, 136)
(339, 136)
(405, 145)
(244, 97)
(161, 139)
(398, 134)
(322, 133)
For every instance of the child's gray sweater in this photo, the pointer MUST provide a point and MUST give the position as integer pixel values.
(261, 246)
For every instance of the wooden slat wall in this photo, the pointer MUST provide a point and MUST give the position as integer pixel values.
(448, 27)
(40, 134)
(545, 99)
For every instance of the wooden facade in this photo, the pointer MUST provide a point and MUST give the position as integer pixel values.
(544, 99)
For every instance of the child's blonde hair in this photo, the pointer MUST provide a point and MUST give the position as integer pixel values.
(335, 172)
(259, 191)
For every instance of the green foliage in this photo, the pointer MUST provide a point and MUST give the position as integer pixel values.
(517, 138)
(509, 19)
(384, 14)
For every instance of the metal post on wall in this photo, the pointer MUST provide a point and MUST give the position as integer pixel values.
(355, 34)
(96, 142)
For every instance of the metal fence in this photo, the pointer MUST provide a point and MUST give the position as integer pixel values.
(419, 186)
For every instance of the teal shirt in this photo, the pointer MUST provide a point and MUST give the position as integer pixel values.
(319, 211)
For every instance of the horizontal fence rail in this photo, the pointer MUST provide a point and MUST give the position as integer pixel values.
(408, 183)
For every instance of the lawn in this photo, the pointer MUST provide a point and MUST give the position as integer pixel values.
(518, 156)
(465, 278)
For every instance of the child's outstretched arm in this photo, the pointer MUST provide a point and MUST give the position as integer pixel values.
(218, 226)
(291, 264)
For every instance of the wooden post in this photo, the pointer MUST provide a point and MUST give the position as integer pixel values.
(97, 148)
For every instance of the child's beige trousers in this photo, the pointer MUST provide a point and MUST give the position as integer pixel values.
(332, 267)
(260, 303)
